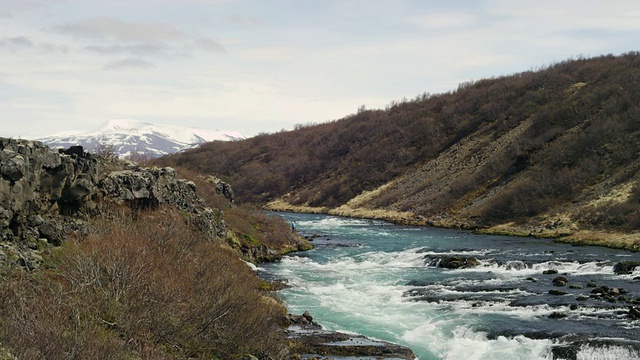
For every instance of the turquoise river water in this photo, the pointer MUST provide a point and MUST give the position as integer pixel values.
(382, 281)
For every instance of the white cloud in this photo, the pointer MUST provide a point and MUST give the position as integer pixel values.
(444, 21)
(20, 41)
(105, 28)
(209, 45)
(150, 49)
(284, 62)
(126, 64)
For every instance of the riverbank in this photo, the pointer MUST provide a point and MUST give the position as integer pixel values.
(560, 231)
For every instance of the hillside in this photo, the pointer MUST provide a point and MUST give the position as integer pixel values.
(552, 152)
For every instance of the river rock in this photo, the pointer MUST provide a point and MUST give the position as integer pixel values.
(550, 272)
(560, 281)
(565, 352)
(557, 315)
(634, 313)
(625, 267)
(557, 292)
(453, 262)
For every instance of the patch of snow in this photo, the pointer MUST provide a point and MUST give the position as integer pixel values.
(127, 136)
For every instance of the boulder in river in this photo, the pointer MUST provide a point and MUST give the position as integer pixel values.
(557, 292)
(625, 267)
(453, 262)
(560, 281)
(557, 315)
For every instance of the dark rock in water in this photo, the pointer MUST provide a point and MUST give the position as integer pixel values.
(313, 342)
(634, 313)
(304, 320)
(568, 352)
(307, 316)
(575, 286)
(557, 315)
(453, 262)
(582, 298)
(613, 291)
(573, 307)
(571, 350)
(625, 267)
(531, 279)
(550, 272)
(592, 284)
(560, 281)
(557, 292)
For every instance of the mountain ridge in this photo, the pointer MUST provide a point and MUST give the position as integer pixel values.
(127, 137)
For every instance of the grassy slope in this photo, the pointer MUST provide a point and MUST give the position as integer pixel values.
(547, 153)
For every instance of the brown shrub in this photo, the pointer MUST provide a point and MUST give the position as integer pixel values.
(150, 287)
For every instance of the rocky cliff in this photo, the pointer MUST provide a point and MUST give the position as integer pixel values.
(45, 195)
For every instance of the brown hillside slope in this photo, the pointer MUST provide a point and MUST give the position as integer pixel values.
(547, 153)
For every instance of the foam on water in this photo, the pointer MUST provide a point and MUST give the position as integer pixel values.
(523, 269)
(456, 252)
(607, 353)
(365, 290)
(471, 345)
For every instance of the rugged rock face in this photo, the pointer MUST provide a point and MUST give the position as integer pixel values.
(47, 194)
(160, 186)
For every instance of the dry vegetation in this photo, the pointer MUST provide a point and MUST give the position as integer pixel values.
(144, 284)
(253, 233)
(524, 148)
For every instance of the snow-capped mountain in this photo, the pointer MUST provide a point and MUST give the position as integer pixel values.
(127, 137)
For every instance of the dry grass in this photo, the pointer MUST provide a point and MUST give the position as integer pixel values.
(281, 205)
(398, 217)
(145, 285)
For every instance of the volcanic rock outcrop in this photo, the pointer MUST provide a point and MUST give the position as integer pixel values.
(45, 195)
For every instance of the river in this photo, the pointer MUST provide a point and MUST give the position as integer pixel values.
(382, 280)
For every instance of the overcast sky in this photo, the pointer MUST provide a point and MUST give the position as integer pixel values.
(265, 65)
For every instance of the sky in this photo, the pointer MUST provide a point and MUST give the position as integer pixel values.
(261, 66)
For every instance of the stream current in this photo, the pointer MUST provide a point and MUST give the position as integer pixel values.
(383, 281)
